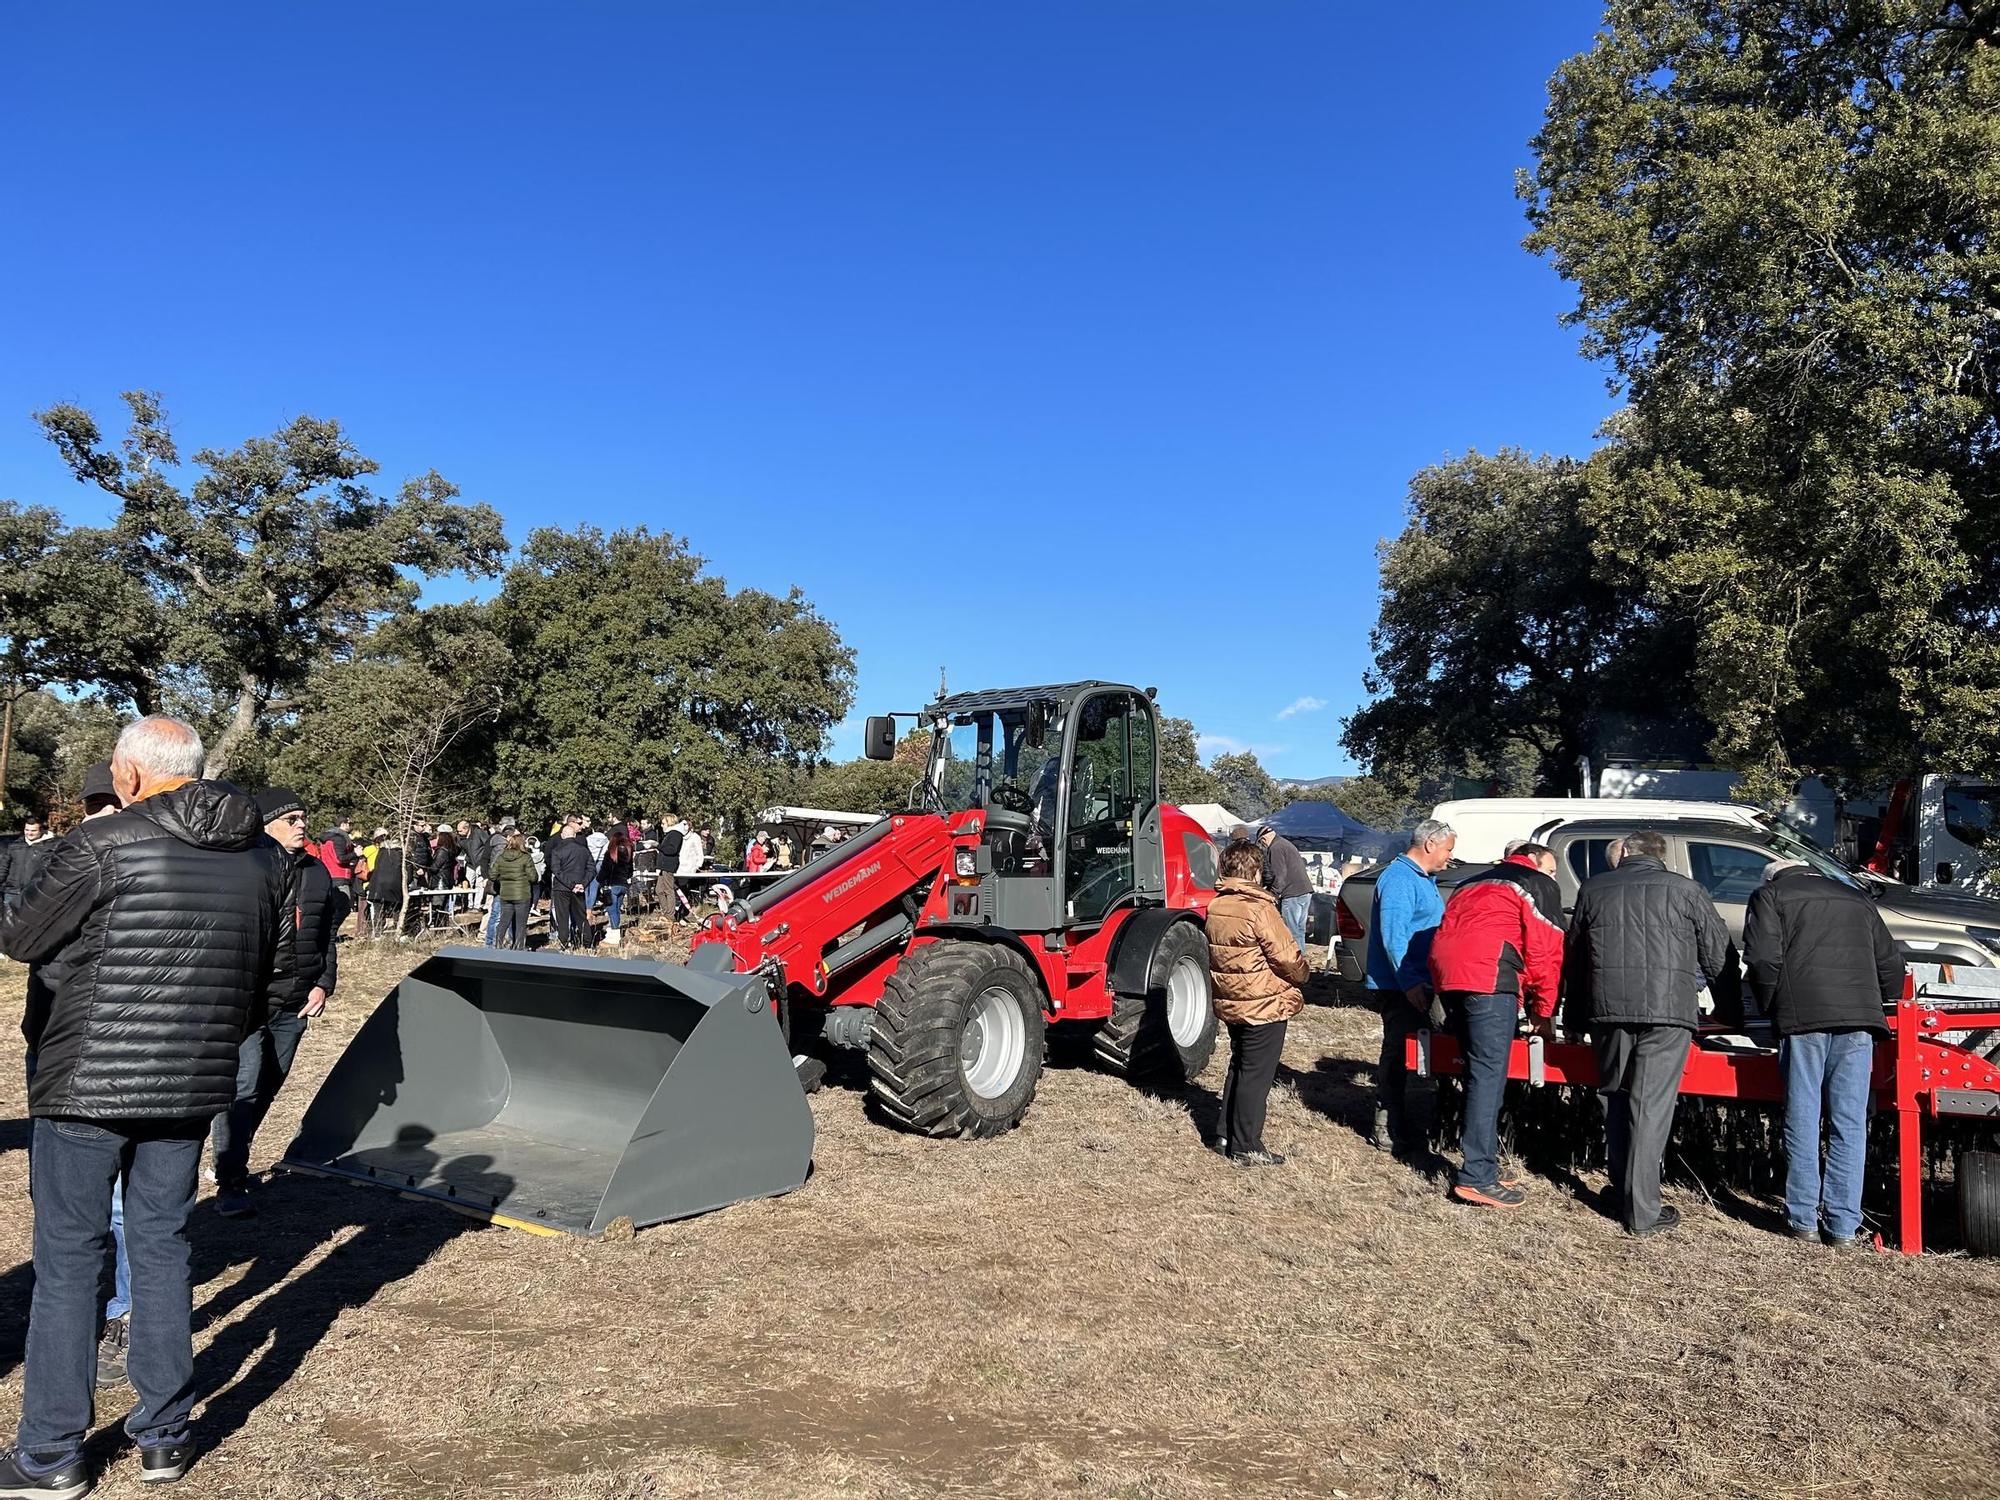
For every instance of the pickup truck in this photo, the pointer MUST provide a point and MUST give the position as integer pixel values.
(1727, 860)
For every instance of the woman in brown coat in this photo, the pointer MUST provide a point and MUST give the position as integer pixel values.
(1259, 976)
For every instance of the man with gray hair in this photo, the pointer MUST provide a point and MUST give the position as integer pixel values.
(156, 930)
(1643, 941)
(1823, 967)
(1403, 921)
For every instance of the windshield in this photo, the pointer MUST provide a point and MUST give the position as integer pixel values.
(1791, 844)
(972, 754)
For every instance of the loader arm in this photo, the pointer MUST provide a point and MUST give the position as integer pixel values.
(853, 903)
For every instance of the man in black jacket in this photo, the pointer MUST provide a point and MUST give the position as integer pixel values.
(1641, 944)
(1285, 878)
(1823, 967)
(156, 930)
(22, 860)
(571, 869)
(308, 970)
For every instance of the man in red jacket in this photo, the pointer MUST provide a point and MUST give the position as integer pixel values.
(1501, 943)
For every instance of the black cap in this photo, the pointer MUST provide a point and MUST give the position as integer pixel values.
(274, 802)
(97, 784)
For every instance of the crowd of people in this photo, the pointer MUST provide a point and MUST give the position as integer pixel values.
(183, 936)
(1627, 969)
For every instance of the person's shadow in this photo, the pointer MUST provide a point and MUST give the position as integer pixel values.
(252, 1359)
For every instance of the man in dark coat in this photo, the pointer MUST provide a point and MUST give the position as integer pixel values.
(308, 969)
(156, 930)
(1286, 879)
(1641, 944)
(571, 869)
(1823, 967)
(22, 860)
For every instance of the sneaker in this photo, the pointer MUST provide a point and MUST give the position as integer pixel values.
(1256, 1159)
(111, 1352)
(1500, 1195)
(235, 1204)
(21, 1477)
(164, 1465)
(1669, 1219)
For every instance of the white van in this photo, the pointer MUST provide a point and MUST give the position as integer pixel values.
(1487, 825)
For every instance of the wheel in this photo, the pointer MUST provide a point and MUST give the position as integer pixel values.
(1978, 1174)
(957, 1042)
(1167, 1035)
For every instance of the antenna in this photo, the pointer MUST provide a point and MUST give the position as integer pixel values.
(942, 694)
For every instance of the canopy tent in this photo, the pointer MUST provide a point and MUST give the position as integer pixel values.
(1214, 817)
(1323, 828)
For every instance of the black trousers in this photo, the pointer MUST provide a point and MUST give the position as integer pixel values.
(571, 924)
(1639, 1070)
(514, 923)
(1253, 1063)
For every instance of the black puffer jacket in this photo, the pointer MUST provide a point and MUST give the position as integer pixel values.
(306, 956)
(156, 930)
(1820, 956)
(570, 863)
(1641, 944)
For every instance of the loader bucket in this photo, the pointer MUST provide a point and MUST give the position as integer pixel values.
(561, 1093)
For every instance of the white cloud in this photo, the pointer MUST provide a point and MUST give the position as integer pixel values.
(1212, 745)
(1302, 706)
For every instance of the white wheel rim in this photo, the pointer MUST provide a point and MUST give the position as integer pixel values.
(995, 1043)
(1187, 1001)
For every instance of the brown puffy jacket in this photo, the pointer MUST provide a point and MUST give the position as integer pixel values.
(1259, 972)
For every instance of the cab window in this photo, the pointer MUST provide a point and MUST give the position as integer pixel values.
(1588, 857)
(1728, 872)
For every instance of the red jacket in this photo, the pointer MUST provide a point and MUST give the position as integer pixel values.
(1502, 935)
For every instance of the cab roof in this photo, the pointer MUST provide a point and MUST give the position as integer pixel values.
(997, 698)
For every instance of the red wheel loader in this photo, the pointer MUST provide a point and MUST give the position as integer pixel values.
(1037, 881)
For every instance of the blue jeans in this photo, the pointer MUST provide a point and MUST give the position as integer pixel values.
(121, 1266)
(614, 905)
(71, 1174)
(262, 1063)
(1295, 910)
(590, 895)
(493, 920)
(1826, 1072)
(1485, 1027)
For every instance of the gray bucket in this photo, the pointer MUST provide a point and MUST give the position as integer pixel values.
(563, 1093)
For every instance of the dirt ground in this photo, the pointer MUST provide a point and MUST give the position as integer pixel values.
(1092, 1306)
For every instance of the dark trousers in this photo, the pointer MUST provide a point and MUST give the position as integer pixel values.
(1639, 1070)
(1485, 1028)
(514, 923)
(572, 925)
(70, 1178)
(262, 1064)
(1400, 1022)
(1253, 1063)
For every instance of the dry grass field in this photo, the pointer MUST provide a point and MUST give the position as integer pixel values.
(1091, 1306)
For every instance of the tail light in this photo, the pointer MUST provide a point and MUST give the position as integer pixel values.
(1350, 929)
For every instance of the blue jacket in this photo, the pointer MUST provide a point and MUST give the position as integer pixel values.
(1405, 918)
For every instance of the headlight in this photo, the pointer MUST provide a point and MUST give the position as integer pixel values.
(961, 863)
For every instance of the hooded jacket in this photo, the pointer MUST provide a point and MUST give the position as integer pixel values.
(1819, 956)
(1257, 970)
(1642, 942)
(1502, 935)
(157, 930)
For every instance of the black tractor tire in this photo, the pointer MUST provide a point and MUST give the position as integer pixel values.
(1978, 1174)
(945, 1005)
(1137, 1040)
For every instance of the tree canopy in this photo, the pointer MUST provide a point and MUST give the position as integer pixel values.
(277, 558)
(1780, 219)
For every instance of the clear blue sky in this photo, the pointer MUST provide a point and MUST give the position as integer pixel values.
(1031, 340)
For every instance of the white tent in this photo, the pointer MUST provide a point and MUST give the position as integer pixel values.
(1214, 817)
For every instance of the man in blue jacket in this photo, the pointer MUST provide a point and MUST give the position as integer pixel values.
(1405, 917)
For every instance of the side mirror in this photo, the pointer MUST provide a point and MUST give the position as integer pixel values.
(878, 738)
(1038, 726)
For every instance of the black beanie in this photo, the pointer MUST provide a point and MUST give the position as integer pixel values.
(274, 802)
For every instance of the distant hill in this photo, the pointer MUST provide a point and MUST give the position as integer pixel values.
(1294, 783)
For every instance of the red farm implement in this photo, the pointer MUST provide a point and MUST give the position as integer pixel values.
(1935, 1080)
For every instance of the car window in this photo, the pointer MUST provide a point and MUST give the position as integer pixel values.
(1587, 857)
(1728, 872)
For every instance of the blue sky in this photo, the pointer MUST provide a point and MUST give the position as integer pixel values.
(1033, 341)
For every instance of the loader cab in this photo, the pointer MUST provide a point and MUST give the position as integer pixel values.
(1068, 780)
